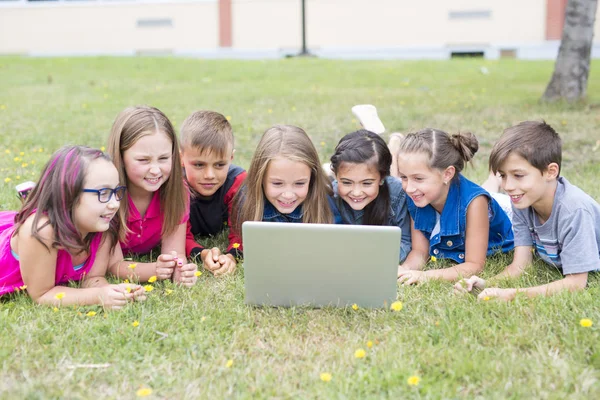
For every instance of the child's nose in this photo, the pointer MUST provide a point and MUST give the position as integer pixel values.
(210, 173)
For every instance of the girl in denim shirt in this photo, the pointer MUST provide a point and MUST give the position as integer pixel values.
(285, 183)
(365, 193)
(451, 217)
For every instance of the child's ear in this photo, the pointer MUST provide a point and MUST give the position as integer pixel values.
(448, 174)
(552, 171)
(232, 153)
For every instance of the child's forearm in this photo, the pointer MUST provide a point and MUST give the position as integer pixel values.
(67, 296)
(464, 270)
(570, 282)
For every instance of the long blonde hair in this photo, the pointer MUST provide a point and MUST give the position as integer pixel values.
(132, 124)
(292, 143)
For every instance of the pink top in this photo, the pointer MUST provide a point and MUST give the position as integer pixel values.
(145, 231)
(10, 270)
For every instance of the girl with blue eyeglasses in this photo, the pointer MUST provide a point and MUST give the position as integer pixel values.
(67, 230)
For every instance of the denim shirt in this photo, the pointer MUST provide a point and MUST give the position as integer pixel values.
(271, 214)
(398, 215)
(450, 241)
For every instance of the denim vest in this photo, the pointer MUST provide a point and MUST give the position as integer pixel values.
(398, 215)
(450, 241)
(271, 214)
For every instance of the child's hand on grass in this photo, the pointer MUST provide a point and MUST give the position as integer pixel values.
(410, 277)
(497, 293)
(227, 263)
(185, 274)
(115, 297)
(210, 259)
(165, 265)
(472, 284)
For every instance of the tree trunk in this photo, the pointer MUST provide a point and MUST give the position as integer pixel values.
(572, 68)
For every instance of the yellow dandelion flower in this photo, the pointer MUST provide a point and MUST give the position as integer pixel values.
(563, 122)
(18, 177)
(102, 148)
(23, 287)
(143, 392)
(325, 376)
(135, 323)
(486, 298)
(132, 266)
(59, 296)
(2, 106)
(236, 245)
(202, 319)
(270, 111)
(355, 306)
(396, 306)
(126, 281)
(148, 288)
(413, 380)
(55, 309)
(24, 165)
(17, 159)
(152, 279)
(369, 344)
(433, 259)
(586, 323)
(90, 313)
(228, 118)
(168, 291)
(437, 323)
(6, 180)
(128, 289)
(322, 143)
(197, 273)
(360, 353)
(229, 363)
(21, 154)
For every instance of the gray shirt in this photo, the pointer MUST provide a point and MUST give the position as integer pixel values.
(570, 238)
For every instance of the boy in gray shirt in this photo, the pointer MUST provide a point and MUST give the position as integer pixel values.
(554, 219)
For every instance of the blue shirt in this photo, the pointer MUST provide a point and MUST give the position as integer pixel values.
(271, 214)
(398, 215)
(449, 242)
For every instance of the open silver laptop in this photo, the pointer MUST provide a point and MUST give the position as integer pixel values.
(287, 264)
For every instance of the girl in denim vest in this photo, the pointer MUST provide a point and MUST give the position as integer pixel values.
(451, 217)
(365, 193)
(285, 183)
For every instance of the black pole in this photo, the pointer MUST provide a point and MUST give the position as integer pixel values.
(304, 51)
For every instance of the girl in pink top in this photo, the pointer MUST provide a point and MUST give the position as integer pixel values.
(65, 232)
(145, 151)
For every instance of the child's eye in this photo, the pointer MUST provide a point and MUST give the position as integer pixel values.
(300, 184)
(502, 176)
(519, 176)
(198, 165)
(276, 184)
(368, 183)
(402, 178)
(142, 160)
(345, 183)
(220, 165)
(164, 158)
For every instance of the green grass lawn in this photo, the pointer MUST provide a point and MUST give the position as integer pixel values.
(458, 347)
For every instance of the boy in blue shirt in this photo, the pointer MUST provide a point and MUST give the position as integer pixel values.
(552, 218)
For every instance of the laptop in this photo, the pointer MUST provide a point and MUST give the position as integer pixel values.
(320, 265)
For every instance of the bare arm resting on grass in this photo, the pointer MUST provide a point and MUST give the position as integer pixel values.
(476, 244)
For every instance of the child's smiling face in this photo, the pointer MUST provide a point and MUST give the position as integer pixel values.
(358, 184)
(424, 185)
(286, 183)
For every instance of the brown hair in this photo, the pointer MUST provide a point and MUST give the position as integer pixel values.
(292, 143)
(55, 195)
(442, 149)
(536, 142)
(207, 131)
(132, 124)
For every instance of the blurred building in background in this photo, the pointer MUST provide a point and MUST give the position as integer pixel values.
(371, 29)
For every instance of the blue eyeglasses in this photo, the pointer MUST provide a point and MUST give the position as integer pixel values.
(105, 194)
